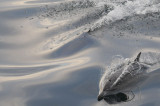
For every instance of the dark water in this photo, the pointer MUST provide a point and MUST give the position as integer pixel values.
(54, 52)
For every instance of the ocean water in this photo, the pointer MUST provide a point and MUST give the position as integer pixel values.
(54, 52)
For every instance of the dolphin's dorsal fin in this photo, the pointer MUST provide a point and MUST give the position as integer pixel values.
(138, 56)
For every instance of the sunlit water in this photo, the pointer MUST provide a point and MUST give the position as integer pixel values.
(54, 52)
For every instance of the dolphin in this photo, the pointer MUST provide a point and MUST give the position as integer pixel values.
(123, 77)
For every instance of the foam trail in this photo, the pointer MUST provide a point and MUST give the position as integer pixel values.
(126, 9)
(102, 12)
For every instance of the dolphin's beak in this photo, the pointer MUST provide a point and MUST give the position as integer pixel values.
(100, 96)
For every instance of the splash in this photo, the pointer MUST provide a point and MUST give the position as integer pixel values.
(125, 9)
(150, 58)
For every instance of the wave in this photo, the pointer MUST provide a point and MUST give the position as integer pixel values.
(98, 13)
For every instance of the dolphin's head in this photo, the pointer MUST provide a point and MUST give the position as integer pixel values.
(110, 83)
(107, 80)
(106, 90)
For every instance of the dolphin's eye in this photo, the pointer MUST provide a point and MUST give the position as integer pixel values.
(109, 80)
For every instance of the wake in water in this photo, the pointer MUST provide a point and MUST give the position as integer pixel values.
(72, 19)
(97, 13)
(125, 75)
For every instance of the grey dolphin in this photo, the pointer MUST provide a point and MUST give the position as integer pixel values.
(123, 77)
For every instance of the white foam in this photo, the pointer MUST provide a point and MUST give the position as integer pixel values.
(150, 58)
(125, 9)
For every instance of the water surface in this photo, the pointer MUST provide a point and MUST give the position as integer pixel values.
(53, 52)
